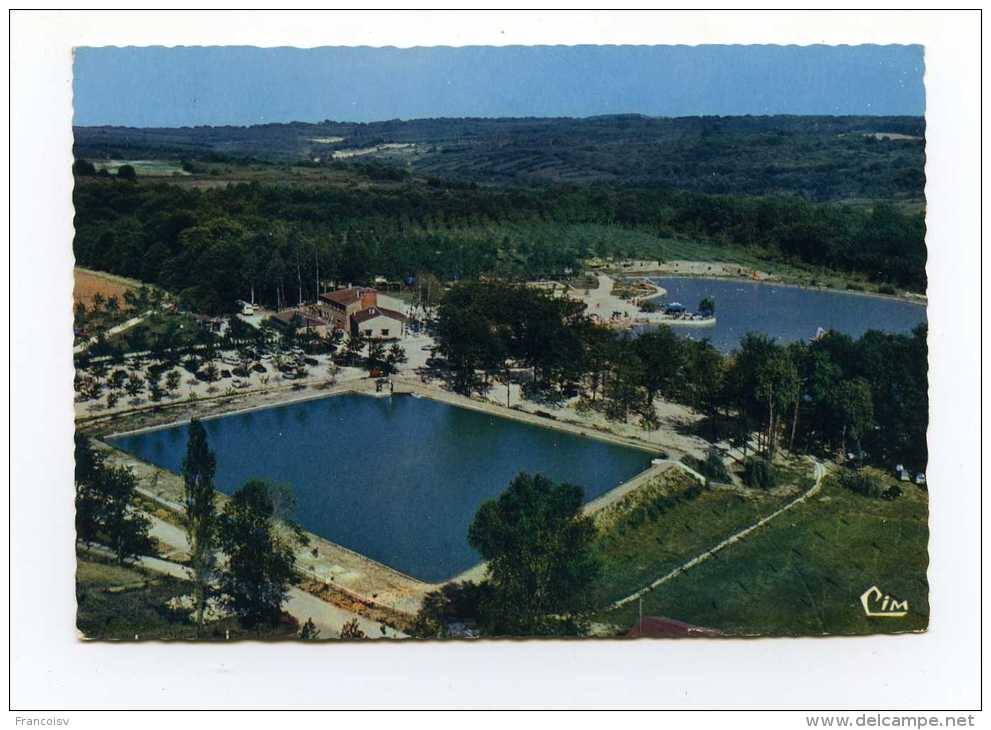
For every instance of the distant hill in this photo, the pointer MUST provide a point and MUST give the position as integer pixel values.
(820, 158)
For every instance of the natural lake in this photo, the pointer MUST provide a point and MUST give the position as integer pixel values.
(398, 479)
(786, 313)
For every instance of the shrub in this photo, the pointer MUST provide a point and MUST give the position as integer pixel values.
(861, 482)
(714, 468)
(891, 493)
(760, 473)
(453, 603)
(887, 289)
(83, 167)
(351, 631)
(654, 508)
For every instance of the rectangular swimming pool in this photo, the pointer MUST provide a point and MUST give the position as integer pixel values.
(399, 478)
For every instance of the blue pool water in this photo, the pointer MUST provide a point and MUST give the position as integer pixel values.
(784, 312)
(398, 479)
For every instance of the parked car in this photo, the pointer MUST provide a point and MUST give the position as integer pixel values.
(259, 368)
(225, 373)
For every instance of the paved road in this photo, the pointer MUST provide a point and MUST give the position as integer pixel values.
(327, 617)
(819, 471)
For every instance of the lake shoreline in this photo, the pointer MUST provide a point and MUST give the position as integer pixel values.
(788, 313)
(921, 300)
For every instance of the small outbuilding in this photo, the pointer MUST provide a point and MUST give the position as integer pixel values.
(379, 323)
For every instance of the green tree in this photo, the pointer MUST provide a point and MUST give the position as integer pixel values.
(135, 385)
(260, 565)
(117, 380)
(127, 172)
(537, 545)
(103, 505)
(89, 498)
(778, 386)
(459, 602)
(396, 356)
(308, 631)
(376, 354)
(350, 631)
(83, 168)
(198, 469)
(353, 345)
(703, 380)
(172, 381)
(79, 314)
(662, 354)
(624, 394)
(212, 372)
(126, 530)
(854, 407)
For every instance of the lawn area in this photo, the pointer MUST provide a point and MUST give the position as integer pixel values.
(86, 284)
(116, 602)
(114, 309)
(804, 572)
(636, 549)
(143, 168)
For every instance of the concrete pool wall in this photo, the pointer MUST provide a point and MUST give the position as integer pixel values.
(400, 387)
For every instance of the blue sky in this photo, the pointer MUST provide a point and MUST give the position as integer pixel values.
(187, 86)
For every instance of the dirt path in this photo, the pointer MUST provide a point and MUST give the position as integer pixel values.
(327, 617)
(820, 472)
(116, 329)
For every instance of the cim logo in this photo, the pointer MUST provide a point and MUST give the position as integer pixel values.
(880, 605)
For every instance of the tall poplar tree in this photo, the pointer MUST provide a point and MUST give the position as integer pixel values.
(198, 468)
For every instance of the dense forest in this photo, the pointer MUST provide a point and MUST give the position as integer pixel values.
(819, 158)
(218, 245)
(834, 394)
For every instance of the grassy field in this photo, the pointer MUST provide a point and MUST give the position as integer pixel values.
(804, 573)
(635, 550)
(126, 603)
(89, 283)
(143, 168)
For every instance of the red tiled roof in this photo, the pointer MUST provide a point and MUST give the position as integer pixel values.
(343, 297)
(286, 316)
(372, 312)
(660, 627)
